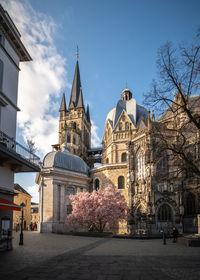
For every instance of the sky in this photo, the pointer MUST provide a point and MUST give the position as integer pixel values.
(118, 43)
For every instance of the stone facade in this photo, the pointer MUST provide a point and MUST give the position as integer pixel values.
(22, 196)
(158, 196)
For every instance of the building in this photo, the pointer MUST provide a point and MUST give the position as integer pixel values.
(132, 160)
(22, 197)
(13, 156)
(35, 217)
(62, 174)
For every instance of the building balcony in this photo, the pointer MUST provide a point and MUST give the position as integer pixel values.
(16, 156)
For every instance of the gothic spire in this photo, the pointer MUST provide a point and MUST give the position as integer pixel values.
(88, 113)
(80, 100)
(76, 97)
(63, 104)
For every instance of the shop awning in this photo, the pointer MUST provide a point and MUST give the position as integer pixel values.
(9, 205)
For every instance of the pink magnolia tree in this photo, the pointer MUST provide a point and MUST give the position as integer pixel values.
(95, 210)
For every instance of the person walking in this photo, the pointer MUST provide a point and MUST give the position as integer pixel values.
(175, 234)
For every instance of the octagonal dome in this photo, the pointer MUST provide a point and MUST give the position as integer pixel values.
(65, 160)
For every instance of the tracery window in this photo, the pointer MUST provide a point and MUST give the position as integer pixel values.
(141, 172)
(164, 213)
(127, 126)
(123, 157)
(121, 182)
(120, 126)
(74, 140)
(96, 184)
(68, 138)
(162, 165)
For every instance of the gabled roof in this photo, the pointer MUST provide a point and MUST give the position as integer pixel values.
(19, 188)
(142, 123)
(76, 98)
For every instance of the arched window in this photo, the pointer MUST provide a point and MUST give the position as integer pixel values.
(107, 160)
(162, 165)
(121, 182)
(120, 126)
(74, 140)
(141, 172)
(68, 138)
(1, 75)
(96, 184)
(74, 125)
(123, 157)
(190, 204)
(164, 213)
(127, 126)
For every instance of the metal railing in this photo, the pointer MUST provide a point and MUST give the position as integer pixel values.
(14, 147)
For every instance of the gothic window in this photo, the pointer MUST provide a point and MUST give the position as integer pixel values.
(68, 138)
(127, 126)
(164, 213)
(190, 204)
(162, 165)
(120, 126)
(141, 166)
(74, 125)
(74, 140)
(96, 184)
(121, 182)
(123, 157)
(107, 160)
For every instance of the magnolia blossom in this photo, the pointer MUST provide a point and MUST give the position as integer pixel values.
(94, 210)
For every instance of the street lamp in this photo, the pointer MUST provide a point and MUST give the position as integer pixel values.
(21, 242)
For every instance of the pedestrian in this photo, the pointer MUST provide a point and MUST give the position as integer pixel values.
(175, 234)
(31, 225)
(35, 226)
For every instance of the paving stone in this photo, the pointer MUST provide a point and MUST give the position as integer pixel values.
(52, 256)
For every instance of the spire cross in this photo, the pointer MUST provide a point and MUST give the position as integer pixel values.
(77, 53)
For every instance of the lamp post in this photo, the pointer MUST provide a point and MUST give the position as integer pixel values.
(21, 241)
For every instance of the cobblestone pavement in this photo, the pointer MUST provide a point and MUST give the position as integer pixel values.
(52, 256)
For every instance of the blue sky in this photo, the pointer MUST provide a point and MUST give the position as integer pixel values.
(118, 43)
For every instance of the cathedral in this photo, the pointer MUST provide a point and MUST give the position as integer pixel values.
(128, 160)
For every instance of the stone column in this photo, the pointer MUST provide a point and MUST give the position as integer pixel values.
(62, 204)
(58, 203)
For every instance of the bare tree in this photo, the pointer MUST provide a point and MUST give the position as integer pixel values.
(31, 145)
(175, 97)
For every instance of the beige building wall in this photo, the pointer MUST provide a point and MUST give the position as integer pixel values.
(20, 198)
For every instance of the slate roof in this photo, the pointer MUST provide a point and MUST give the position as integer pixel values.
(65, 160)
(134, 111)
(63, 104)
(76, 98)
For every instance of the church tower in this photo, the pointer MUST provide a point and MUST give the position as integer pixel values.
(74, 121)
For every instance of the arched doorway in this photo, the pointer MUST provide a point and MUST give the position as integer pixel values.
(165, 217)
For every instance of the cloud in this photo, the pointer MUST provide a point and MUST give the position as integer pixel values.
(33, 191)
(95, 140)
(40, 81)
